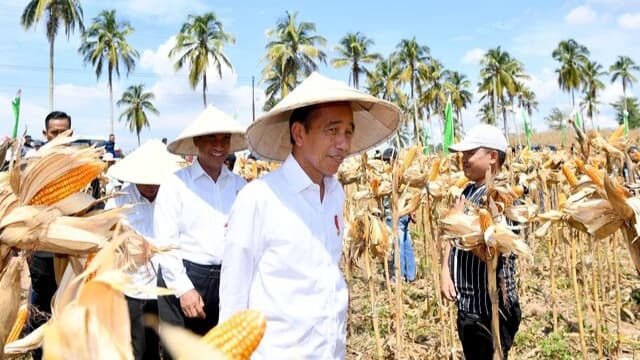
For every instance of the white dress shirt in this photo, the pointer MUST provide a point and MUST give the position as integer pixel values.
(281, 258)
(140, 218)
(191, 215)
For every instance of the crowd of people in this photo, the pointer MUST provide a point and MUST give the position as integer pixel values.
(274, 244)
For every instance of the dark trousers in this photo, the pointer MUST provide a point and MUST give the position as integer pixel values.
(43, 286)
(475, 333)
(206, 280)
(144, 340)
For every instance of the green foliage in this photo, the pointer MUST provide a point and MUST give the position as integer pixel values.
(632, 107)
(554, 347)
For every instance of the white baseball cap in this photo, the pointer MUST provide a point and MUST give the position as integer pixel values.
(482, 136)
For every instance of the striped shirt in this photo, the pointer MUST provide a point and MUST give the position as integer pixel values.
(469, 273)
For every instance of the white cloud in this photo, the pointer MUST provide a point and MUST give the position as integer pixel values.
(581, 15)
(473, 56)
(629, 21)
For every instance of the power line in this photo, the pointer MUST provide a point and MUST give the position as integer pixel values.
(37, 68)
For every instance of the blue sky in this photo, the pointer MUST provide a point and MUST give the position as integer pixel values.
(457, 33)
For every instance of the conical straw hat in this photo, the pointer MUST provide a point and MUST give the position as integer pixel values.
(150, 164)
(374, 119)
(210, 121)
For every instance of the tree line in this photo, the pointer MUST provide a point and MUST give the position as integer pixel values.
(410, 76)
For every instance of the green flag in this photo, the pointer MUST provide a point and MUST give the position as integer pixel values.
(625, 121)
(527, 129)
(447, 138)
(15, 104)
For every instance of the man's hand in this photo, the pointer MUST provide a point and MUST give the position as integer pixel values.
(458, 204)
(447, 289)
(192, 304)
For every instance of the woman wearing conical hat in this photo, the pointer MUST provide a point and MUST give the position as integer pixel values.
(284, 236)
(144, 170)
(190, 216)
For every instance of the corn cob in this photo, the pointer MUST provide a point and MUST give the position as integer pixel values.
(18, 325)
(375, 186)
(239, 336)
(485, 219)
(435, 170)
(616, 134)
(593, 175)
(461, 182)
(547, 164)
(562, 200)
(579, 164)
(571, 177)
(517, 190)
(71, 182)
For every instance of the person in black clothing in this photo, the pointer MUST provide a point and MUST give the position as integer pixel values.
(43, 281)
(464, 274)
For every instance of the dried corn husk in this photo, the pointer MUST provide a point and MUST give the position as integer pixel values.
(9, 297)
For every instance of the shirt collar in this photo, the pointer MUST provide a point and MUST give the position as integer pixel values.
(197, 171)
(299, 180)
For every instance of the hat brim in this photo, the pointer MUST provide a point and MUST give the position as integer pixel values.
(186, 146)
(462, 147)
(149, 164)
(374, 120)
(209, 122)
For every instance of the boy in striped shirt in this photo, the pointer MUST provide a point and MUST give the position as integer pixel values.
(464, 274)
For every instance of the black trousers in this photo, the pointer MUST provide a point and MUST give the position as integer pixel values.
(43, 286)
(206, 280)
(144, 340)
(475, 333)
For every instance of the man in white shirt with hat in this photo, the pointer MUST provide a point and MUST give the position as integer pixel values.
(191, 214)
(144, 170)
(284, 236)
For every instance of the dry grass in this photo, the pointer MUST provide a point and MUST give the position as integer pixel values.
(553, 137)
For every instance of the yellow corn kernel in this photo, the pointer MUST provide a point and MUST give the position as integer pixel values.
(569, 175)
(71, 182)
(616, 134)
(579, 164)
(621, 191)
(435, 170)
(18, 325)
(547, 164)
(485, 219)
(239, 336)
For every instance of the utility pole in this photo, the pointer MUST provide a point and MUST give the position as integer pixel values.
(253, 100)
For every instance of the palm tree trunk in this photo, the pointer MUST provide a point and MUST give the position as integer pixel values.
(138, 139)
(204, 89)
(504, 120)
(51, 41)
(460, 120)
(111, 100)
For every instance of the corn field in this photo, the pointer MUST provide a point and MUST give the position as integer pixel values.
(576, 217)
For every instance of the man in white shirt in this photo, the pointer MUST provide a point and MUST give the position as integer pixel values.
(284, 236)
(190, 216)
(144, 170)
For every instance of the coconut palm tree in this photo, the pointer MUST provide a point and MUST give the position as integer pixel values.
(498, 80)
(105, 44)
(200, 43)
(592, 72)
(295, 49)
(572, 57)
(138, 103)
(57, 13)
(623, 69)
(354, 52)
(384, 80)
(456, 85)
(411, 58)
(486, 114)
